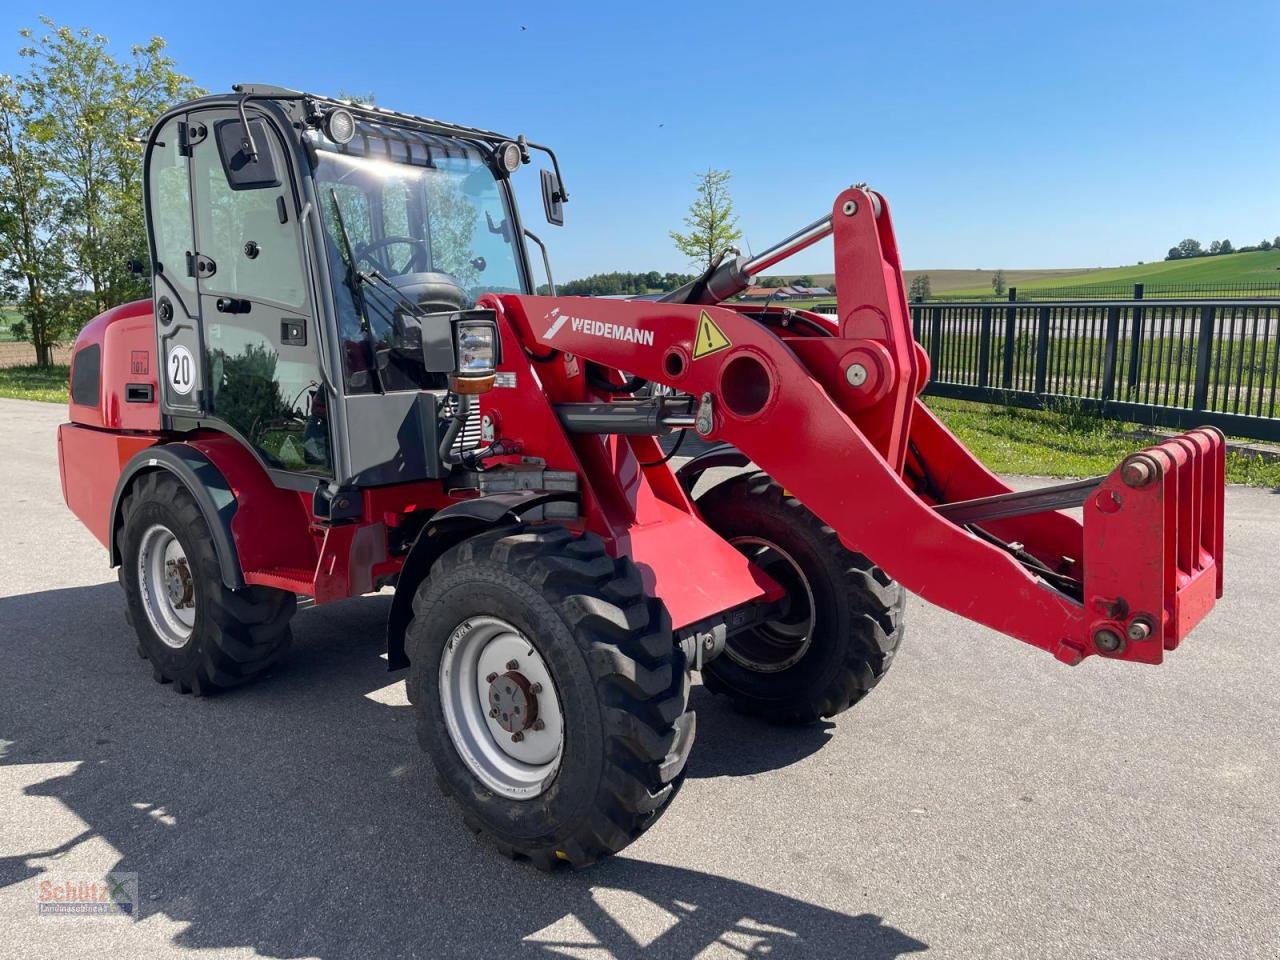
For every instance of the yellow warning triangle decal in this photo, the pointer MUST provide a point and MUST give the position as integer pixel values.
(710, 338)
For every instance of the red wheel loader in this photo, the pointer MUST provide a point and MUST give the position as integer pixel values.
(344, 382)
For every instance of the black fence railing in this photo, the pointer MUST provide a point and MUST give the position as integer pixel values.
(1176, 364)
(1243, 289)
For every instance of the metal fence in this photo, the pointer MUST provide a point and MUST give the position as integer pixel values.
(1177, 364)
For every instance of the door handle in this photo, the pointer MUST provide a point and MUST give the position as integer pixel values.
(233, 305)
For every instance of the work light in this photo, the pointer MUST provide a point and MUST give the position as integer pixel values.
(339, 125)
(478, 352)
(509, 157)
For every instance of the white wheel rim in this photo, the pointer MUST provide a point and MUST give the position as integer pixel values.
(167, 585)
(518, 767)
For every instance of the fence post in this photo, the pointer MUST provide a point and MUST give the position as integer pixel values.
(1013, 294)
(1110, 349)
(1042, 351)
(1010, 334)
(1204, 349)
(935, 339)
(1135, 342)
(984, 348)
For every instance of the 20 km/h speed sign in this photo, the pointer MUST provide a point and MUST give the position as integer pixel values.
(181, 370)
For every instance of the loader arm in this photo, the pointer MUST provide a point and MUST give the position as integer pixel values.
(829, 409)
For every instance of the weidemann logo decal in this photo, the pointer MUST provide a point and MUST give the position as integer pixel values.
(598, 328)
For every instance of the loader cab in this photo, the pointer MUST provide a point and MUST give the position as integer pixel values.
(307, 254)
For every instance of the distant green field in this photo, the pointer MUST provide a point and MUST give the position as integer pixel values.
(7, 316)
(1261, 266)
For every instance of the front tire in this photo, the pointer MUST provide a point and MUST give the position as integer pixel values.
(197, 634)
(842, 624)
(610, 683)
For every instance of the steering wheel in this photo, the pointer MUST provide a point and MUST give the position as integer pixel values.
(374, 252)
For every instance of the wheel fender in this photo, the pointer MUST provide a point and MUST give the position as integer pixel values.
(448, 527)
(207, 486)
(721, 455)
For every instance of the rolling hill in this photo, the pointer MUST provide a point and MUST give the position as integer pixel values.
(1253, 267)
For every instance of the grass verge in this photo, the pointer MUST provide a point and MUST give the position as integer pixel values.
(1063, 443)
(35, 383)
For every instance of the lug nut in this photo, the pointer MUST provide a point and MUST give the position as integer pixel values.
(493, 713)
(517, 736)
(513, 664)
(490, 678)
(538, 725)
(1108, 641)
(535, 687)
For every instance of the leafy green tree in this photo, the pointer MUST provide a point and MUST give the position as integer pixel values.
(1215, 247)
(805, 281)
(712, 225)
(998, 285)
(86, 110)
(920, 287)
(1175, 253)
(1191, 248)
(1226, 247)
(33, 269)
(772, 282)
(1265, 245)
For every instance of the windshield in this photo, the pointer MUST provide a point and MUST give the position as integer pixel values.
(427, 222)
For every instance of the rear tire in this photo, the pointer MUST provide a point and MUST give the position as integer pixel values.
(841, 630)
(198, 635)
(619, 692)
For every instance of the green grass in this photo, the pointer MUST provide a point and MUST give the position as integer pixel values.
(35, 383)
(1256, 267)
(1065, 442)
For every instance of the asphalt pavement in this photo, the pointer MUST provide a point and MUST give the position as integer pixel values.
(985, 801)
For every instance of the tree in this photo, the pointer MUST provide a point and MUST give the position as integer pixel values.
(920, 287)
(1265, 245)
(805, 281)
(33, 269)
(713, 227)
(1226, 247)
(997, 283)
(1191, 248)
(1175, 253)
(1215, 247)
(772, 282)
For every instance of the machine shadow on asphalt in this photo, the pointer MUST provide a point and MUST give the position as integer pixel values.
(296, 816)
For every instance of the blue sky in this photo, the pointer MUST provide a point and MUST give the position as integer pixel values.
(1004, 135)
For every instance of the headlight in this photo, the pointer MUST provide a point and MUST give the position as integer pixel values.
(478, 352)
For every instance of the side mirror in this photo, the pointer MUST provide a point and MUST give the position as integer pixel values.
(552, 198)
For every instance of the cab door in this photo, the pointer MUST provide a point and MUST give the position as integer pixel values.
(180, 356)
(261, 350)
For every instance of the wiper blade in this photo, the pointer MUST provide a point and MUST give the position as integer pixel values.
(355, 282)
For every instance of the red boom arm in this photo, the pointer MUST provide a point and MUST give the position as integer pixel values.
(836, 420)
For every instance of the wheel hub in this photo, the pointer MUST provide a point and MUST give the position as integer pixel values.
(177, 582)
(513, 702)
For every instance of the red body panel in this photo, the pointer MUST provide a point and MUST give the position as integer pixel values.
(127, 336)
(90, 463)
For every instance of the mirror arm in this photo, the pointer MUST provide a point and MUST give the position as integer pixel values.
(555, 165)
